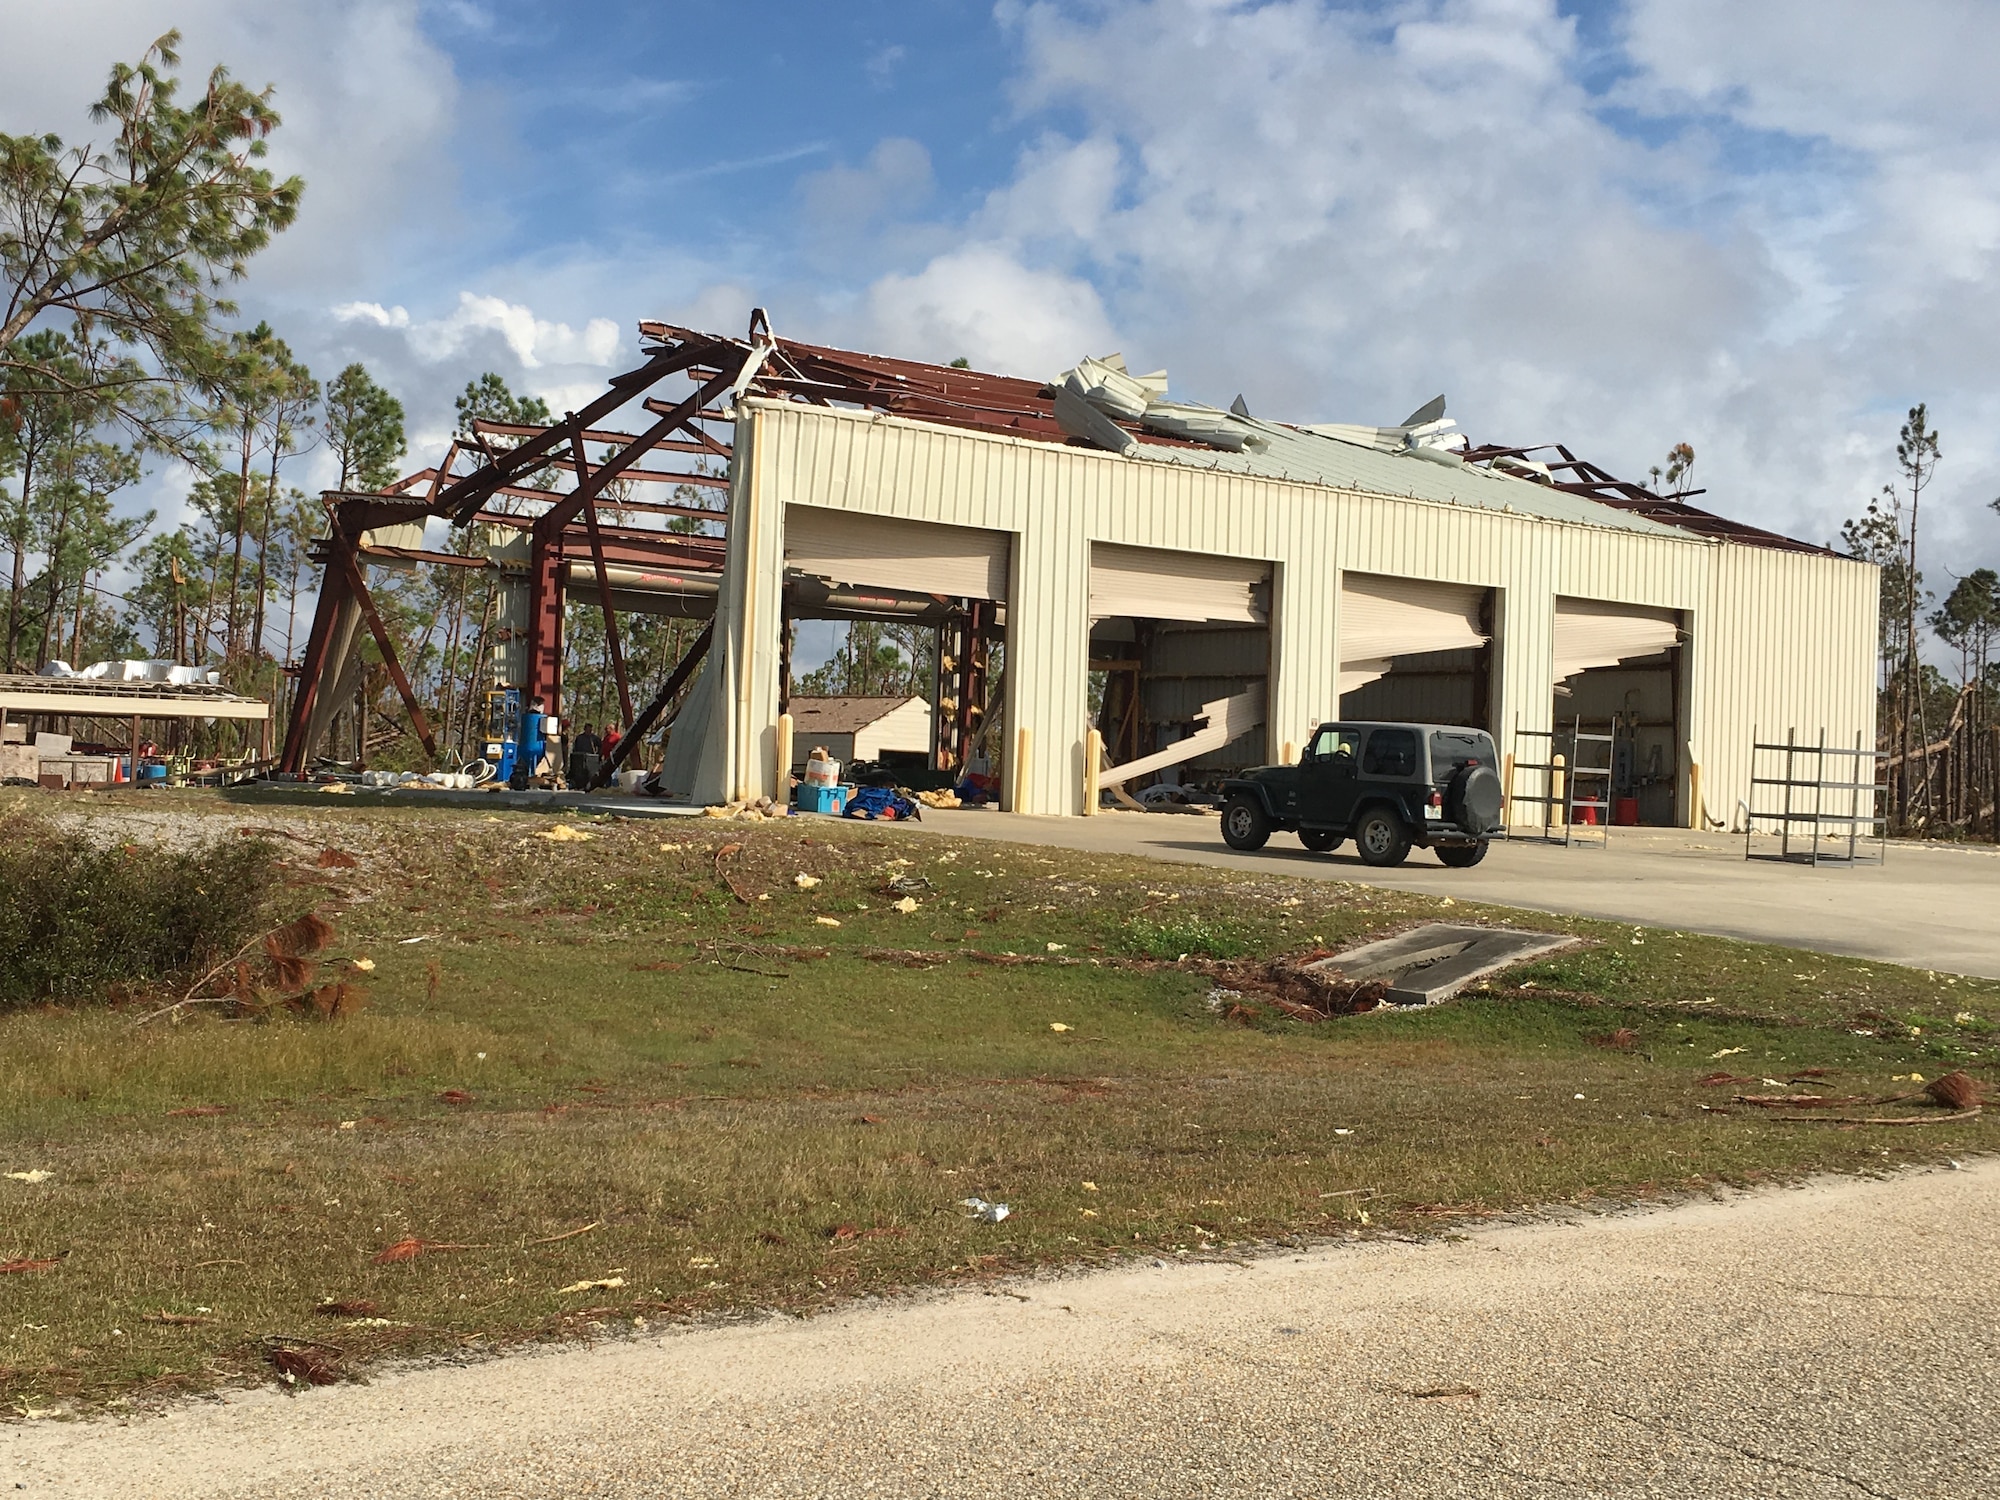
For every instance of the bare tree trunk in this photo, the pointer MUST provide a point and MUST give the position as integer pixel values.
(229, 639)
(20, 583)
(51, 618)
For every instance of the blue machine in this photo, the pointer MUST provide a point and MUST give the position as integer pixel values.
(536, 727)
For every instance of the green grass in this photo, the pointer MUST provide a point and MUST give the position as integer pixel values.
(756, 1109)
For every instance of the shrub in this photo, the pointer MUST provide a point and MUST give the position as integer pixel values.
(79, 922)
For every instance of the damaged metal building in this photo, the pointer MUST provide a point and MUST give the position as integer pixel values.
(1197, 587)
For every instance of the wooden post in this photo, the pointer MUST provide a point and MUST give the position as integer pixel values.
(135, 750)
(1291, 753)
(1024, 744)
(1695, 819)
(1507, 790)
(1557, 781)
(1093, 757)
(783, 794)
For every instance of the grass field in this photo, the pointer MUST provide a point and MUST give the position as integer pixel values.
(637, 1076)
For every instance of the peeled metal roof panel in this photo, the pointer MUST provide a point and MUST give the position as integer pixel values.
(1292, 453)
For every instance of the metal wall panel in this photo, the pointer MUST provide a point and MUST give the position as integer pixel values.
(1777, 639)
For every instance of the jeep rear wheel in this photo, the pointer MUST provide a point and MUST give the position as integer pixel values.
(1319, 840)
(1461, 856)
(1381, 839)
(1245, 825)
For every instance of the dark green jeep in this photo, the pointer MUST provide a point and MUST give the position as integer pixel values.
(1386, 786)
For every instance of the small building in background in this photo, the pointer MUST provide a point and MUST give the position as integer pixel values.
(852, 729)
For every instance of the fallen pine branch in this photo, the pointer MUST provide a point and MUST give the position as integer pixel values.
(723, 875)
(567, 1234)
(1963, 1114)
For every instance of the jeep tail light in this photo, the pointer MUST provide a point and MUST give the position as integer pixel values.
(1437, 799)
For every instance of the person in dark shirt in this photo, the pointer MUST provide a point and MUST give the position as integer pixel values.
(584, 753)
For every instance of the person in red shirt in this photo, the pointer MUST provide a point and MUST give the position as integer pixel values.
(610, 740)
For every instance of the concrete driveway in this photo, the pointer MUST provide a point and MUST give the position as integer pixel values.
(1925, 905)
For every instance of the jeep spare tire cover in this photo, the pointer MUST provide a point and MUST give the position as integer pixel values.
(1476, 800)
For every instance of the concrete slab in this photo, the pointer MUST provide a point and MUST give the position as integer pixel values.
(1928, 906)
(475, 801)
(1434, 962)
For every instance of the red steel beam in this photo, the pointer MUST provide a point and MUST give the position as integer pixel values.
(313, 666)
(611, 643)
(358, 585)
(463, 497)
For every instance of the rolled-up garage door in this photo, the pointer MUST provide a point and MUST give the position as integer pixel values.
(1382, 618)
(887, 552)
(1150, 583)
(1593, 633)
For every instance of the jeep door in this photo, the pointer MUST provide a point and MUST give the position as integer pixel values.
(1393, 756)
(1327, 778)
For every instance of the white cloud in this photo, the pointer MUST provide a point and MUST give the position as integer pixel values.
(1342, 210)
(534, 341)
(895, 180)
(981, 303)
(882, 65)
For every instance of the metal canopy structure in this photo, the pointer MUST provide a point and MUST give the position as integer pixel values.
(554, 484)
(23, 694)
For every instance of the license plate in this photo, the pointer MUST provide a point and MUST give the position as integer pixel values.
(1433, 812)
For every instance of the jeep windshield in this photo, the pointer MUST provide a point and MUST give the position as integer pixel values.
(1451, 748)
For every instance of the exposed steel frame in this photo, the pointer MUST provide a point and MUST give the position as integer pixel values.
(572, 528)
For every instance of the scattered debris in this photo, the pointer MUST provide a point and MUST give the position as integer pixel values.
(723, 875)
(175, 1320)
(283, 979)
(305, 1360)
(43, 1263)
(454, 1096)
(804, 881)
(566, 833)
(32, 1175)
(567, 1234)
(198, 1111)
(752, 811)
(336, 859)
(602, 1284)
(827, 921)
(1300, 987)
(907, 905)
(984, 1212)
(1624, 1039)
(1956, 1090)
(1445, 1392)
(410, 1247)
(1727, 1052)
(1058, 1026)
(356, 1307)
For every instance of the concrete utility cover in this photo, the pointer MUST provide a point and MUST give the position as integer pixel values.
(1434, 962)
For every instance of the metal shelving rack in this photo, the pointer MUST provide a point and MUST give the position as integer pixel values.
(1803, 801)
(1594, 778)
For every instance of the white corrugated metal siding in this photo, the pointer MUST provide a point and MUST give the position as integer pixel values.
(1777, 639)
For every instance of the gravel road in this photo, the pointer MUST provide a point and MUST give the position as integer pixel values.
(1833, 1340)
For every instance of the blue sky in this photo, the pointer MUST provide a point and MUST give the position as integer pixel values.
(1765, 230)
